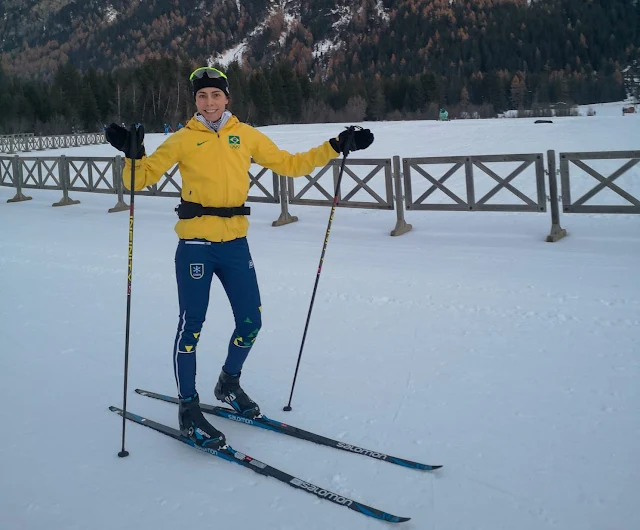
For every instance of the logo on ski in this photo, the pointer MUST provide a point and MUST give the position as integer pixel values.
(360, 450)
(321, 492)
(240, 419)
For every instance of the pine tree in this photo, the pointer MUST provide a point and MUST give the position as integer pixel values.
(276, 85)
(377, 105)
(431, 88)
(495, 91)
(518, 90)
(89, 113)
(632, 79)
(261, 98)
(464, 98)
(238, 90)
(416, 95)
(292, 92)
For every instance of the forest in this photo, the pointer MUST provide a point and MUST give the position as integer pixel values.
(475, 58)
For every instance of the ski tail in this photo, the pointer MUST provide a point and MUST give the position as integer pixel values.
(227, 452)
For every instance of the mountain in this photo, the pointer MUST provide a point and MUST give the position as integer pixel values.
(68, 64)
(331, 38)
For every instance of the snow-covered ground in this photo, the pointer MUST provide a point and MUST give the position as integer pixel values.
(606, 109)
(468, 342)
(609, 130)
(613, 108)
(604, 132)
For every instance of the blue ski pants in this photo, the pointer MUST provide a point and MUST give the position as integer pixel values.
(197, 260)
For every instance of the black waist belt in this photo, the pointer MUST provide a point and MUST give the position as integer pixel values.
(189, 210)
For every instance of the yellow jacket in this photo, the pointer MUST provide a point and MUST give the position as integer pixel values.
(214, 169)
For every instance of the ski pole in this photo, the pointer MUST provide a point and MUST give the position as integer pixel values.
(134, 154)
(348, 144)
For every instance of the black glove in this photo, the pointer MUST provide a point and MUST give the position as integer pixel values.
(353, 139)
(121, 139)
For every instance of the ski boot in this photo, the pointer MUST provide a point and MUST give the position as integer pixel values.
(194, 426)
(228, 390)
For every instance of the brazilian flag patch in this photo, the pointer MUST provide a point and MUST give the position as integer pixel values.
(234, 142)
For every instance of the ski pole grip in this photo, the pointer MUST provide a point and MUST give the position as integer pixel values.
(133, 138)
(350, 139)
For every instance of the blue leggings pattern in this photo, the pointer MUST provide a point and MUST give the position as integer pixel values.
(197, 261)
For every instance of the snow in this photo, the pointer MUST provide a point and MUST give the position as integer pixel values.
(345, 16)
(289, 21)
(601, 109)
(606, 109)
(384, 15)
(110, 13)
(235, 54)
(468, 342)
(320, 48)
(229, 56)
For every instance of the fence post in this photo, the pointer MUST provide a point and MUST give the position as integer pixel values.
(557, 232)
(471, 188)
(402, 227)
(63, 172)
(285, 217)
(116, 172)
(11, 149)
(17, 178)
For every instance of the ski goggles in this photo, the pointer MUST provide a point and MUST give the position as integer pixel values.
(211, 73)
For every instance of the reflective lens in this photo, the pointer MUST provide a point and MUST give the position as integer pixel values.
(211, 73)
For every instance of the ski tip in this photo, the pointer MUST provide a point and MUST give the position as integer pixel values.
(140, 391)
(114, 409)
(403, 519)
(433, 468)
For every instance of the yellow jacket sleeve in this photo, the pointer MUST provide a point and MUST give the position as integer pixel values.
(268, 155)
(149, 169)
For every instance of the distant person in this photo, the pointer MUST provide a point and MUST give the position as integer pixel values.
(180, 126)
(214, 155)
(444, 115)
(166, 129)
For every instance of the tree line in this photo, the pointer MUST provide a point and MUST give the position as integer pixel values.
(159, 92)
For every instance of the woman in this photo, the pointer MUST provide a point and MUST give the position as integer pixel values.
(213, 152)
